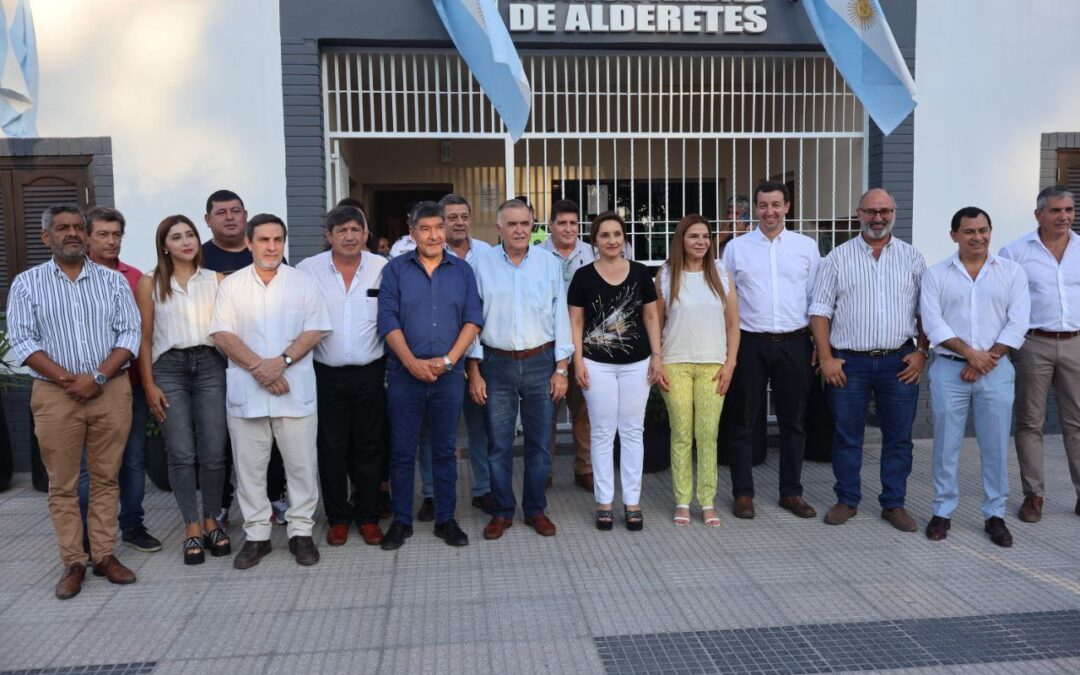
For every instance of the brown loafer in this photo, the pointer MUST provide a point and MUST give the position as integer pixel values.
(372, 533)
(251, 553)
(542, 524)
(1031, 509)
(938, 528)
(840, 513)
(744, 508)
(303, 549)
(110, 568)
(999, 534)
(337, 535)
(798, 506)
(900, 519)
(71, 581)
(584, 481)
(497, 526)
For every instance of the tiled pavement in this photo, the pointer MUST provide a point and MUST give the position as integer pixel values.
(775, 594)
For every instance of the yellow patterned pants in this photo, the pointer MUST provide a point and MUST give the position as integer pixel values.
(694, 413)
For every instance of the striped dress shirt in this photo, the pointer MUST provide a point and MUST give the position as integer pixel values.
(76, 323)
(354, 312)
(872, 304)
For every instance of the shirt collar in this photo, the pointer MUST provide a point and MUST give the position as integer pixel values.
(449, 258)
(502, 250)
(87, 262)
(761, 235)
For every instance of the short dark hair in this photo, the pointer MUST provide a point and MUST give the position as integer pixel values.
(353, 202)
(222, 196)
(105, 214)
(969, 212)
(563, 206)
(56, 209)
(263, 219)
(454, 199)
(1052, 192)
(339, 215)
(772, 186)
(424, 209)
(599, 220)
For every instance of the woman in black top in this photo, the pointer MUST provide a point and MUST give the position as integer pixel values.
(616, 331)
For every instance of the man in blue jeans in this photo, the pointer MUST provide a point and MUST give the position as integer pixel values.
(105, 227)
(429, 315)
(521, 363)
(870, 343)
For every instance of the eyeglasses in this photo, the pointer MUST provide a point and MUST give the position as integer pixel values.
(878, 212)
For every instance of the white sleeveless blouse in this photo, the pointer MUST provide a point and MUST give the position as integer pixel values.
(694, 327)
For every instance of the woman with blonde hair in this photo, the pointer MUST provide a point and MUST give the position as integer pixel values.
(700, 338)
(184, 378)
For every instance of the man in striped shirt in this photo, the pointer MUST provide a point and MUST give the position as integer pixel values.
(870, 343)
(74, 323)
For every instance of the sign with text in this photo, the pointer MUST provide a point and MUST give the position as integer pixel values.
(687, 17)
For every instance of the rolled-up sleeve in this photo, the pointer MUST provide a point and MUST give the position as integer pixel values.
(1018, 313)
(224, 317)
(126, 323)
(824, 297)
(22, 327)
(473, 309)
(934, 324)
(564, 344)
(389, 317)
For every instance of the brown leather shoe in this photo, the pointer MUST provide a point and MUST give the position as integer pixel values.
(251, 553)
(110, 568)
(427, 510)
(744, 508)
(798, 506)
(550, 480)
(71, 581)
(303, 549)
(900, 519)
(584, 481)
(840, 513)
(542, 524)
(1031, 509)
(999, 534)
(337, 535)
(497, 526)
(938, 528)
(372, 533)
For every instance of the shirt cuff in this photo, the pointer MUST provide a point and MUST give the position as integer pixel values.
(939, 335)
(1011, 339)
(128, 341)
(24, 350)
(821, 309)
(562, 353)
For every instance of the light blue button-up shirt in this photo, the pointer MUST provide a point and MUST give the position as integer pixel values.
(524, 304)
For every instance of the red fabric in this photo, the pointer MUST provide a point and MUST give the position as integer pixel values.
(132, 275)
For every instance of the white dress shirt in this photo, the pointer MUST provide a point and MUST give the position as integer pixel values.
(182, 320)
(1054, 286)
(993, 307)
(774, 279)
(871, 303)
(407, 243)
(354, 311)
(268, 318)
(524, 304)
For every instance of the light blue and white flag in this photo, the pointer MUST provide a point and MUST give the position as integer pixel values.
(857, 37)
(482, 40)
(18, 69)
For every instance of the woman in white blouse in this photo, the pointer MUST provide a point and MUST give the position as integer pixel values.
(699, 341)
(184, 378)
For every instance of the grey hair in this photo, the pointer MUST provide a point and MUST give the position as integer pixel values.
(511, 204)
(739, 202)
(56, 209)
(862, 197)
(1052, 192)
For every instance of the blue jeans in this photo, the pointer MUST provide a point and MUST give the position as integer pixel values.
(132, 476)
(514, 385)
(408, 402)
(476, 427)
(990, 399)
(896, 405)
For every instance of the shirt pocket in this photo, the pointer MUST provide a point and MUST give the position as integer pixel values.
(370, 313)
(237, 385)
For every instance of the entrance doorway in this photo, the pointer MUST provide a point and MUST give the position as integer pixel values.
(390, 205)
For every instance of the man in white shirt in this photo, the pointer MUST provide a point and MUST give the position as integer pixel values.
(349, 373)
(573, 254)
(1051, 353)
(267, 319)
(975, 309)
(774, 271)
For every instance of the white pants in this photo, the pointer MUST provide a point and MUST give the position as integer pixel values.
(251, 442)
(616, 399)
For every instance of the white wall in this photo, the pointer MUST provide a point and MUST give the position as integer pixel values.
(189, 92)
(992, 75)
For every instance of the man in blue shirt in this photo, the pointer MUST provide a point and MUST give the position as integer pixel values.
(521, 363)
(429, 315)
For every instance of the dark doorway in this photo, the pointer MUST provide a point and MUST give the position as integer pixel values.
(391, 203)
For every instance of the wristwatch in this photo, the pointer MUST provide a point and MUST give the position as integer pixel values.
(288, 360)
(447, 363)
(100, 378)
(562, 371)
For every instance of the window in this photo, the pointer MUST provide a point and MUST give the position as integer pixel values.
(1068, 173)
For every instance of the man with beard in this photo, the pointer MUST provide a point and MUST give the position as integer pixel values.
(864, 319)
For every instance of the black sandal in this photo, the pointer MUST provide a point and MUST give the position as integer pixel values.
(217, 542)
(605, 519)
(193, 551)
(634, 520)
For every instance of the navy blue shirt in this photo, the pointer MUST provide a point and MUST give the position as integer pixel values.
(430, 311)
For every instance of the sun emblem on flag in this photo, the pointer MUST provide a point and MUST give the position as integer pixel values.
(862, 13)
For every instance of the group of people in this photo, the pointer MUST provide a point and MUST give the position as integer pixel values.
(350, 367)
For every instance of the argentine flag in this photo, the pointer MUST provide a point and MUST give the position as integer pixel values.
(482, 40)
(857, 37)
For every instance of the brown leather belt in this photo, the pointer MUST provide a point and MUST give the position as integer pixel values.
(1053, 334)
(521, 354)
(780, 337)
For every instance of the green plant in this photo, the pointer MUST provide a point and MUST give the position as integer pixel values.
(655, 408)
(9, 377)
(153, 428)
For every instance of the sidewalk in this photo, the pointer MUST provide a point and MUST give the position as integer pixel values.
(775, 594)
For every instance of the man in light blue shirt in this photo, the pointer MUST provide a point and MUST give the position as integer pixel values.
(520, 363)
